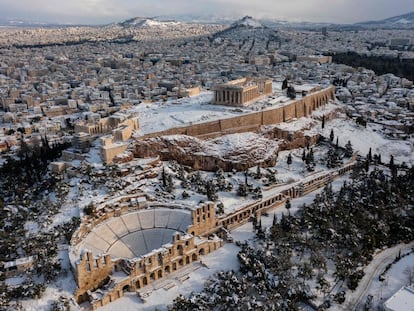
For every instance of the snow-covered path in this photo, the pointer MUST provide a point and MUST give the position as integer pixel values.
(356, 299)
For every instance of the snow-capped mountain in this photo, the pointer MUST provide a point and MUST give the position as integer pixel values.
(400, 21)
(146, 22)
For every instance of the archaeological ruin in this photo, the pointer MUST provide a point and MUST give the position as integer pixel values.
(126, 246)
(241, 92)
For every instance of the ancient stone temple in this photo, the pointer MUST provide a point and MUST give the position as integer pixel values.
(242, 91)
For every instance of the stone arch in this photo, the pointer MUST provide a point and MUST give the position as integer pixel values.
(160, 273)
(152, 276)
(187, 260)
(181, 262)
(138, 284)
(125, 288)
(167, 269)
(174, 266)
(144, 281)
(194, 257)
(180, 249)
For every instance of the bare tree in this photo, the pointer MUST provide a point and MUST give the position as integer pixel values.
(409, 273)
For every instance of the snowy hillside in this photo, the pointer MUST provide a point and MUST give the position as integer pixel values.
(146, 22)
(247, 21)
(247, 28)
(404, 21)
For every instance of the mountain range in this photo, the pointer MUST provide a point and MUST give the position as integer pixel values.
(405, 21)
(400, 21)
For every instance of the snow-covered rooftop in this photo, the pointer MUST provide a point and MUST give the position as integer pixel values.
(403, 300)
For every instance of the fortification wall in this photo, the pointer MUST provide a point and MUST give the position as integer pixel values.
(245, 123)
(248, 122)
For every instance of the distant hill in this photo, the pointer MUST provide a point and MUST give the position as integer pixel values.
(400, 21)
(248, 22)
(145, 22)
(246, 28)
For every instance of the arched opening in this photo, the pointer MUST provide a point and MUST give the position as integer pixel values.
(159, 274)
(152, 276)
(145, 281)
(180, 262)
(138, 284)
(187, 260)
(194, 257)
(180, 249)
(174, 266)
(125, 288)
(167, 269)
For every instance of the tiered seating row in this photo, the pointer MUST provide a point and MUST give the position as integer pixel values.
(138, 233)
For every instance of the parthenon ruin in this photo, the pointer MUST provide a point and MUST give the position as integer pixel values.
(242, 91)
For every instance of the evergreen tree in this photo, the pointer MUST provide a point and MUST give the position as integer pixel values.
(369, 155)
(242, 190)
(284, 84)
(331, 135)
(288, 205)
(289, 160)
(348, 149)
(391, 165)
(258, 171)
(291, 92)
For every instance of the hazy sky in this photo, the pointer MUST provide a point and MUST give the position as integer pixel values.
(106, 11)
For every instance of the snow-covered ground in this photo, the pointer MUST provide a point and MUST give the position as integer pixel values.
(159, 116)
(64, 286)
(394, 278)
(364, 138)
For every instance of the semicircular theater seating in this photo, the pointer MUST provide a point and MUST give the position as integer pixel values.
(137, 233)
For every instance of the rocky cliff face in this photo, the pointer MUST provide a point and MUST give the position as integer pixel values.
(235, 151)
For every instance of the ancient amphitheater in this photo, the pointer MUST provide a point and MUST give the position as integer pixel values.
(136, 233)
(125, 249)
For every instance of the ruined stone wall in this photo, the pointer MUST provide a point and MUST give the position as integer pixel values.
(91, 273)
(248, 122)
(242, 215)
(245, 123)
(204, 220)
